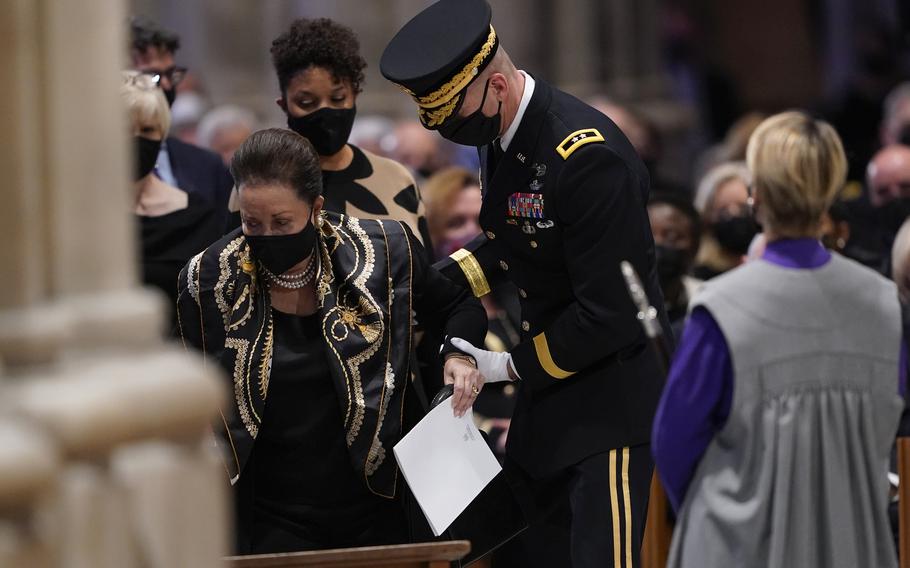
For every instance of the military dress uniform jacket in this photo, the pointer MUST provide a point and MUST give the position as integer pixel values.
(562, 207)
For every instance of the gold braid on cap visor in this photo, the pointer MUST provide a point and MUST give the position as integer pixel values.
(434, 108)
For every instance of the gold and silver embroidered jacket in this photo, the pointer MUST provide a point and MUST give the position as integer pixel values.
(373, 278)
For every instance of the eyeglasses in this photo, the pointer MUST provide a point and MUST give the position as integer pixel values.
(139, 80)
(175, 75)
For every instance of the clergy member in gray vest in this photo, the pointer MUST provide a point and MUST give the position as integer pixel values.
(773, 433)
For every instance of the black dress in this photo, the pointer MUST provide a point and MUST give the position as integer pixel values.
(304, 492)
(170, 241)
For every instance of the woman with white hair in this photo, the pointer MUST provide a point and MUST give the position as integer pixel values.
(175, 225)
(722, 199)
(773, 432)
(223, 129)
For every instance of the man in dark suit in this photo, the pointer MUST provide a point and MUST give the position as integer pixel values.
(564, 203)
(188, 167)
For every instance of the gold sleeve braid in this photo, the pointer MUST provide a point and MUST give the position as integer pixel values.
(472, 272)
(545, 358)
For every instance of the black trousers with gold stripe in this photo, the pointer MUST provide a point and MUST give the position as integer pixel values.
(592, 514)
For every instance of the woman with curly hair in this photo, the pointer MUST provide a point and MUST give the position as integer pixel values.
(320, 74)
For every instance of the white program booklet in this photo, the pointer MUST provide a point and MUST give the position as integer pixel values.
(446, 463)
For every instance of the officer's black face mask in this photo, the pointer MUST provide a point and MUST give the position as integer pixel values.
(146, 156)
(476, 129)
(327, 129)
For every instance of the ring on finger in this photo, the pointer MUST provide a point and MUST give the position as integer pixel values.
(475, 390)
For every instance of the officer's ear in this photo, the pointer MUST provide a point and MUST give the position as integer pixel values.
(282, 104)
(499, 86)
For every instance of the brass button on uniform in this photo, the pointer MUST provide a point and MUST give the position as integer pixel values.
(491, 235)
(533, 244)
(503, 265)
(522, 293)
(525, 326)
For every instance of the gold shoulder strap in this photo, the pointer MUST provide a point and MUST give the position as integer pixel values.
(578, 139)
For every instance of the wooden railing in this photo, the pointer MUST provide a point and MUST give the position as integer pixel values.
(426, 555)
(655, 546)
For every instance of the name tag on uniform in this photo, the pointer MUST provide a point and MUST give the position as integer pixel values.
(527, 205)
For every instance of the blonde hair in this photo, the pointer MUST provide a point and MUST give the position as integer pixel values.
(145, 101)
(798, 165)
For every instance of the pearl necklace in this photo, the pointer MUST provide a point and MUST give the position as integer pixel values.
(294, 281)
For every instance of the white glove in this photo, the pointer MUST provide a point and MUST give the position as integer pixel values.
(492, 365)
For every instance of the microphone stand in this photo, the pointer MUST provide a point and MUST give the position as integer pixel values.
(647, 315)
(659, 529)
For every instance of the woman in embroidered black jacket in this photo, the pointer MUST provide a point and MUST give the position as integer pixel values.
(314, 312)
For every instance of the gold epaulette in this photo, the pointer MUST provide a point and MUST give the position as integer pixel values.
(578, 139)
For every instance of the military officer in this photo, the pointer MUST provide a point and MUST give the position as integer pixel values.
(564, 203)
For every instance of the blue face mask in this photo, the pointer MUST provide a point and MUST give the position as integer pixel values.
(476, 129)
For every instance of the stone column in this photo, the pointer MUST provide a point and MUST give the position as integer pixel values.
(105, 456)
(575, 49)
(23, 280)
(631, 49)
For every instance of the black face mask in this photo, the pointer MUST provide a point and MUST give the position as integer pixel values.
(672, 263)
(735, 234)
(891, 216)
(146, 153)
(476, 129)
(170, 95)
(280, 253)
(327, 129)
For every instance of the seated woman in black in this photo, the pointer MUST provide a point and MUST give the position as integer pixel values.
(312, 311)
(174, 224)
